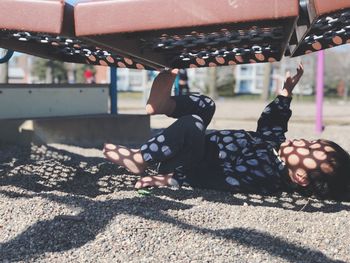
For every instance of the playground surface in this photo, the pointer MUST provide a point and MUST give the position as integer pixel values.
(60, 203)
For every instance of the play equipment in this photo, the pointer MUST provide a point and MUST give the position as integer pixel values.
(5, 55)
(322, 24)
(158, 34)
(32, 26)
(45, 28)
(192, 33)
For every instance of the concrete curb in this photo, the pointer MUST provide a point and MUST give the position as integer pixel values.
(84, 131)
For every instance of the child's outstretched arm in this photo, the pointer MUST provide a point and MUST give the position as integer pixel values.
(292, 81)
(273, 122)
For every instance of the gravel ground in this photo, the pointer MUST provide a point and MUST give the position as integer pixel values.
(60, 203)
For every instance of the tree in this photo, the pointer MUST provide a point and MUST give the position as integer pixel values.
(4, 73)
(225, 81)
(50, 71)
(337, 67)
(267, 82)
(212, 82)
(80, 69)
(4, 67)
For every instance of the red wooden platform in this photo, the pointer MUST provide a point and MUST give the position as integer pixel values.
(172, 33)
(327, 25)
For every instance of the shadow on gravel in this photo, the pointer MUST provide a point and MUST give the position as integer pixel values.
(286, 201)
(44, 169)
(68, 232)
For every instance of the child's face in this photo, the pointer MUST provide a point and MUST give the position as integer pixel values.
(302, 156)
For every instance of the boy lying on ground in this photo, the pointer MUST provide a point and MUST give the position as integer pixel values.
(261, 162)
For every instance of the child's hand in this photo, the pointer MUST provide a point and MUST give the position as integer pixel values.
(291, 82)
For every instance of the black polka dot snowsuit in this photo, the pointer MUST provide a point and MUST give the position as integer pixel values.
(233, 160)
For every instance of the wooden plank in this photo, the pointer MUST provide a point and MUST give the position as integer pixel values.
(105, 17)
(35, 16)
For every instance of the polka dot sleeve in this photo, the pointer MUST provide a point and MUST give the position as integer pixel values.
(230, 144)
(273, 122)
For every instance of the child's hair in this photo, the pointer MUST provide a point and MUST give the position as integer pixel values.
(335, 184)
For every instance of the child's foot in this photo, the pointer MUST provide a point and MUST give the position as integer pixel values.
(131, 159)
(156, 180)
(159, 101)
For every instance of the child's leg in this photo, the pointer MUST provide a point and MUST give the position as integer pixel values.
(131, 159)
(156, 180)
(159, 101)
(183, 143)
(180, 145)
(198, 105)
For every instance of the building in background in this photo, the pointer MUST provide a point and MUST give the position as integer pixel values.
(132, 79)
(307, 82)
(135, 80)
(127, 79)
(241, 79)
(19, 69)
(250, 78)
(197, 79)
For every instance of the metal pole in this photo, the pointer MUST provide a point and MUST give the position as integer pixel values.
(4, 72)
(5, 55)
(212, 83)
(177, 86)
(320, 92)
(113, 91)
(265, 95)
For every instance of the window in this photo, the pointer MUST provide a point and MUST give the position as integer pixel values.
(246, 70)
(259, 84)
(245, 86)
(260, 69)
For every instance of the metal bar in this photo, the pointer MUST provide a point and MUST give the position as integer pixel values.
(5, 55)
(320, 92)
(177, 86)
(113, 91)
